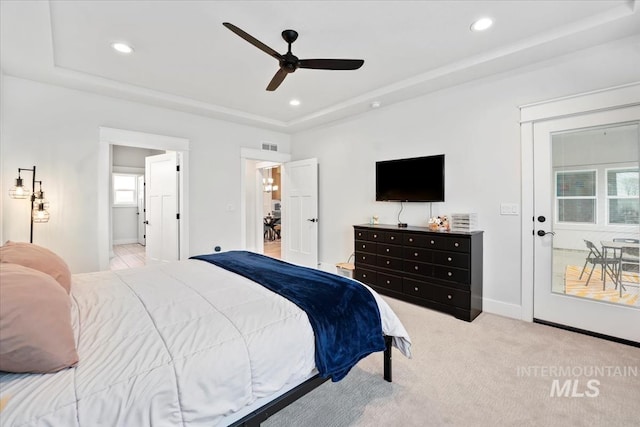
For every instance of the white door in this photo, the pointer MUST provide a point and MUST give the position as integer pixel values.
(300, 212)
(140, 213)
(586, 190)
(162, 208)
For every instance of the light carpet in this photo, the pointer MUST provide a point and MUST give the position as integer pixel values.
(494, 371)
(594, 290)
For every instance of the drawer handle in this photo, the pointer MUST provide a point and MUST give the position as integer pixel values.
(387, 249)
(375, 236)
(364, 246)
(411, 239)
(449, 274)
(432, 242)
(415, 289)
(393, 237)
(456, 244)
(364, 257)
(416, 267)
(388, 262)
(388, 282)
(364, 275)
(449, 259)
(415, 254)
(449, 296)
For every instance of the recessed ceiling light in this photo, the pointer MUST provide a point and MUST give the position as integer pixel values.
(294, 102)
(122, 47)
(481, 24)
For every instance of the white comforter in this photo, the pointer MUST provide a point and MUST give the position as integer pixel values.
(184, 343)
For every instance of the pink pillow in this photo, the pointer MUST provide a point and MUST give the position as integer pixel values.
(38, 258)
(35, 322)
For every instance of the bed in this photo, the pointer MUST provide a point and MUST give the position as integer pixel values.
(186, 343)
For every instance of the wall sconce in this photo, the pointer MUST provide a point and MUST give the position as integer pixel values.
(39, 205)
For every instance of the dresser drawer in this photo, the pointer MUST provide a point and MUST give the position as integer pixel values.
(377, 236)
(418, 268)
(369, 247)
(454, 244)
(451, 274)
(361, 234)
(411, 239)
(416, 288)
(365, 276)
(450, 296)
(453, 259)
(390, 263)
(389, 281)
(389, 250)
(418, 254)
(395, 238)
(365, 258)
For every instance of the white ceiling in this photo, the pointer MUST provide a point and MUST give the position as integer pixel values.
(185, 59)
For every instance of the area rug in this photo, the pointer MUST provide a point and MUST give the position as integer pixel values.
(577, 287)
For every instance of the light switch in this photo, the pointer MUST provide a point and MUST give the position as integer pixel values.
(509, 209)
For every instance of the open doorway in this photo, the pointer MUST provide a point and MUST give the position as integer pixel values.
(127, 206)
(253, 209)
(271, 213)
(110, 138)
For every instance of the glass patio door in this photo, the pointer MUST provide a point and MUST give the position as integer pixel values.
(587, 222)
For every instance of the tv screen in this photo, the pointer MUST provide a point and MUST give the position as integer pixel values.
(419, 179)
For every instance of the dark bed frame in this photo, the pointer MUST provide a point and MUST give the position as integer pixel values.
(261, 414)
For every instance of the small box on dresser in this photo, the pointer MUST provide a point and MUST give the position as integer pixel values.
(435, 269)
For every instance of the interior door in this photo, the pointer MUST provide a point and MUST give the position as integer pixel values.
(140, 213)
(586, 190)
(300, 212)
(162, 208)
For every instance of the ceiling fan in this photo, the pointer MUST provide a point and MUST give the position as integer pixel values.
(289, 62)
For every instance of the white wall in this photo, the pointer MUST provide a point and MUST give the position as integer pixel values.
(57, 130)
(476, 126)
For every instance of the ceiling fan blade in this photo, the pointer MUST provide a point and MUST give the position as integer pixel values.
(331, 64)
(257, 43)
(276, 80)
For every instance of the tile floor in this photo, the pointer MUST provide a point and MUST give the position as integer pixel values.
(128, 256)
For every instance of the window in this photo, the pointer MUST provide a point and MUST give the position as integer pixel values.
(622, 196)
(125, 189)
(576, 196)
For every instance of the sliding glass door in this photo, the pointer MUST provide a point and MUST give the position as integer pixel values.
(587, 222)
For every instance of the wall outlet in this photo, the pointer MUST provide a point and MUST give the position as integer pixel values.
(509, 209)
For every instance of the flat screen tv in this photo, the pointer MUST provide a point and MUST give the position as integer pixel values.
(418, 179)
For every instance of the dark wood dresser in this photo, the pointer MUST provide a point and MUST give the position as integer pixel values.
(437, 269)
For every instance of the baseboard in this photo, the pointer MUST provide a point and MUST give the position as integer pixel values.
(125, 241)
(501, 308)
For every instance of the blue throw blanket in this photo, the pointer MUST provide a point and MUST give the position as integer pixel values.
(344, 315)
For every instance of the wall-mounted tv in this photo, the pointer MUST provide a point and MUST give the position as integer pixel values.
(418, 179)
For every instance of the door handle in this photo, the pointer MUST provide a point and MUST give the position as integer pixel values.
(312, 219)
(145, 222)
(544, 233)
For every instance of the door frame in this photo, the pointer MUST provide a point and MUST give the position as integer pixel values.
(128, 138)
(575, 105)
(247, 154)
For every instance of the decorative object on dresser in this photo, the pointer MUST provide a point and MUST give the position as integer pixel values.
(436, 269)
(464, 221)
